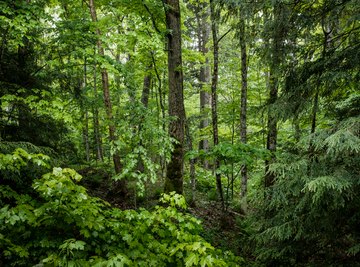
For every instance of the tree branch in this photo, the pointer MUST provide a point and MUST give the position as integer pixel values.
(151, 17)
(226, 33)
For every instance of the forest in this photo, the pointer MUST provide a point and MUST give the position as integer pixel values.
(179, 133)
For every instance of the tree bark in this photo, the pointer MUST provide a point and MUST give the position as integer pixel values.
(174, 175)
(214, 82)
(243, 107)
(106, 91)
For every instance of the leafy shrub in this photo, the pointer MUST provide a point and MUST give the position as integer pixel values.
(64, 226)
(19, 168)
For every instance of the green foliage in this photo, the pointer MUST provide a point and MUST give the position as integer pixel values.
(143, 149)
(321, 187)
(19, 158)
(239, 153)
(64, 226)
(18, 168)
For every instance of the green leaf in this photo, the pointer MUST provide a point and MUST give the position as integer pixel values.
(192, 260)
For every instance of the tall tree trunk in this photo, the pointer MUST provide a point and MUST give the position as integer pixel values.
(205, 73)
(160, 108)
(97, 133)
(145, 101)
(86, 135)
(86, 127)
(277, 55)
(214, 82)
(174, 175)
(271, 140)
(327, 43)
(106, 91)
(243, 107)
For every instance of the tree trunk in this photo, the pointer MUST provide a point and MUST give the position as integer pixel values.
(314, 110)
(277, 55)
(272, 131)
(106, 91)
(145, 102)
(146, 90)
(214, 82)
(86, 135)
(86, 127)
(327, 43)
(297, 130)
(97, 133)
(205, 74)
(243, 107)
(174, 175)
(192, 162)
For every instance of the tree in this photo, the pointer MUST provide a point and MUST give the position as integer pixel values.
(174, 175)
(311, 205)
(277, 54)
(244, 87)
(204, 29)
(214, 14)
(106, 90)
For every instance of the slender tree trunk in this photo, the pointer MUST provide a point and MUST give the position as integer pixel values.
(214, 82)
(243, 107)
(160, 108)
(205, 74)
(277, 55)
(1, 116)
(146, 90)
(192, 162)
(327, 43)
(159, 91)
(297, 131)
(106, 91)
(86, 128)
(144, 101)
(314, 111)
(130, 79)
(86, 135)
(97, 133)
(271, 140)
(174, 176)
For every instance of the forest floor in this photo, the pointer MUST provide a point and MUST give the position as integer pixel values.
(221, 228)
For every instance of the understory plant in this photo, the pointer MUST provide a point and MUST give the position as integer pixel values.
(59, 224)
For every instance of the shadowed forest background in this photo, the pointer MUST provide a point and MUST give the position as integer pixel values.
(179, 133)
